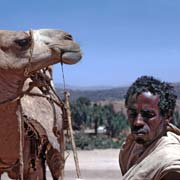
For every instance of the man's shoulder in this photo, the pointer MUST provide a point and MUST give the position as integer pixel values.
(159, 159)
(167, 147)
(172, 175)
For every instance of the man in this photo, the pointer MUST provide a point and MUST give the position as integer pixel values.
(152, 150)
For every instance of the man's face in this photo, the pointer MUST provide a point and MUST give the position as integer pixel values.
(144, 117)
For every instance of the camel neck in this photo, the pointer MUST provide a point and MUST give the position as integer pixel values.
(10, 85)
(9, 111)
(9, 133)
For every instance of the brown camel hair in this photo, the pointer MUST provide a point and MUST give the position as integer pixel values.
(22, 59)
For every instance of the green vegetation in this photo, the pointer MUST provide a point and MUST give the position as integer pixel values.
(87, 115)
(90, 116)
(88, 142)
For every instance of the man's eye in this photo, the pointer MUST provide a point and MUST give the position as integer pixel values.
(147, 114)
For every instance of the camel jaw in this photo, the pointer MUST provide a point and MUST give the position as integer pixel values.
(71, 57)
(62, 43)
(68, 55)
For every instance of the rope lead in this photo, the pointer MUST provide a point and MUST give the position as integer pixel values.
(67, 106)
(68, 116)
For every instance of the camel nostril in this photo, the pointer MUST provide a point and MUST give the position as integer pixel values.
(68, 37)
(47, 43)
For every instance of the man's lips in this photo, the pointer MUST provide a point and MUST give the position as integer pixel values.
(139, 132)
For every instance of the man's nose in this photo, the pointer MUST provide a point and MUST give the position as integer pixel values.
(138, 121)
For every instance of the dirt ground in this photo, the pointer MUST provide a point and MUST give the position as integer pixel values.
(94, 165)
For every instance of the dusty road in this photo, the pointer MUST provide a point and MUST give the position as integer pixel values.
(95, 165)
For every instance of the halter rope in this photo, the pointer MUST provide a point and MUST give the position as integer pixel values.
(20, 111)
(28, 67)
(68, 116)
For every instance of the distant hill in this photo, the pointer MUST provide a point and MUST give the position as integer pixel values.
(97, 95)
(111, 94)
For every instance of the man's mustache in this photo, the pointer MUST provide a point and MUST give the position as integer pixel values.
(138, 130)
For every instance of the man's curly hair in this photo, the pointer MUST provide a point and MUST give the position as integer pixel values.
(167, 97)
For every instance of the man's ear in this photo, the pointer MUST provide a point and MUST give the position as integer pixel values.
(168, 120)
(168, 117)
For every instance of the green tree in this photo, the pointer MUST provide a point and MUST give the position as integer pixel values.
(115, 122)
(97, 116)
(88, 115)
(81, 112)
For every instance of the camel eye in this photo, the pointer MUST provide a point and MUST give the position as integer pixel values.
(23, 43)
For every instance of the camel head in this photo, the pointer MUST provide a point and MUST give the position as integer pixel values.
(33, 50)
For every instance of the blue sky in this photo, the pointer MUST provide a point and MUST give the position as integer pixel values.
(120, 39)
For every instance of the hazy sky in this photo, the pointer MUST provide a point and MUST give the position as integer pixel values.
(120, 39)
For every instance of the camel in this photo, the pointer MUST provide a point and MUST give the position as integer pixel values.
(30, 112)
